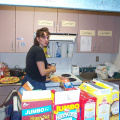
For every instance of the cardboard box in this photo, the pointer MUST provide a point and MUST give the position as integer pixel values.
(103, 99)
(114, 97)
(66, 84)
(36, 105)
(26, 87)
(87, 106)
(66, 105)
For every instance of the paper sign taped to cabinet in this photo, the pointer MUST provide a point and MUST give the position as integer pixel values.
(85, 43)
(45, 22)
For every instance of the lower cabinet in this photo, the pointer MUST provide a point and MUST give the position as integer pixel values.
(5, 91)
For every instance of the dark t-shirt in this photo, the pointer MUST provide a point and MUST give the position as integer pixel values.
(34, 55)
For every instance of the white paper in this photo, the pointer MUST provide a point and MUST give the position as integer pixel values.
(42, 94)
(85, 44)
(67, 96)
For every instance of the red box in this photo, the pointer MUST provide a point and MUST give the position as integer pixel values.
(87, 106)
(63, 110)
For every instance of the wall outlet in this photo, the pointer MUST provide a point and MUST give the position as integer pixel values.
(97, 58)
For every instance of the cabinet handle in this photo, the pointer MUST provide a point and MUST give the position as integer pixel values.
(94, 47)
(98, 47)
(12, 46)
(54, 26)
(18, 44)
(59, 26)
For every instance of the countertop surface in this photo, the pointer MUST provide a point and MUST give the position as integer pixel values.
(57, 84)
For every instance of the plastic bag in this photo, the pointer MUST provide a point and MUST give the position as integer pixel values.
(111, 68)
(101, 71)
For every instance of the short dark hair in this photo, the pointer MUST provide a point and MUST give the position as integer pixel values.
(40, 33)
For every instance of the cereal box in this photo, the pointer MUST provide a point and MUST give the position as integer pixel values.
(26, 87)
(36, 105)
(87, 106)
(103, 99)
(66, 105)
(114, 97)
(66, 84)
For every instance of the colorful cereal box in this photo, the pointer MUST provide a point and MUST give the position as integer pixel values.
(103, 99)
(36, 105)
(87, 106)
(66, 84)
(66, 105)
(114, 97)
(26, 87)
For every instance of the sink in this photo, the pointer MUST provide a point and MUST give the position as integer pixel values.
(88, 75)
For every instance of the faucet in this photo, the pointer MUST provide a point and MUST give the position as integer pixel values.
(90, 68)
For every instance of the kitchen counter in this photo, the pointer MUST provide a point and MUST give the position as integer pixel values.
(50, 84)
(88, 80)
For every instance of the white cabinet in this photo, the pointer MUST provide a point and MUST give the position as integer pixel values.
(16, 28)
(7, 29)
(24, 28)
(45, 17)
(57, 20)
(117, 33)
(99, 31)
(87, 30)
(106, 25)
(67, 21)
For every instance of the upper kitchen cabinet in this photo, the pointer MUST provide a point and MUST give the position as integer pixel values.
(105, 35)
(45, 17)
(7, 29)
(96, 32)
(117, 33)
(24, 28)
(87, 31)
(57, 20)
(67, 21)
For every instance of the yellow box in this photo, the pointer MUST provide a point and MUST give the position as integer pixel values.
(103, 99)
(114, 97)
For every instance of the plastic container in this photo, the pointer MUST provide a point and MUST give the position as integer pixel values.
(58, 52)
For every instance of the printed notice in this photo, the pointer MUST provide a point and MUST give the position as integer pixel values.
(45, 22)
(104, 33)
(85, 44)
(87, 32)
(68, 23)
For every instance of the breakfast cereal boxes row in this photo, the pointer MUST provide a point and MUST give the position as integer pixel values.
(97, 100)
(114, 97)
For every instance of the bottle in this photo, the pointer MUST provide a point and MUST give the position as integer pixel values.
(2, 75)
(58, 52)
(48, 51)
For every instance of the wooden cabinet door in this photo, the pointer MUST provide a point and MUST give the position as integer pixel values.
(24, 28)
(87, 23)
(45, 17)
(117, 33)
(7, 29)
(67, 21)
(106, 22)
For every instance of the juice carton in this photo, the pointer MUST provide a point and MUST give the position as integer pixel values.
(26, 87)
(36, 105)
(66, 105)
(103, 99)
(114, 97)
(66, 84)
(87, 106)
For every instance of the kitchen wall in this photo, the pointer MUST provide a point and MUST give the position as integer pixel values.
(80, 59)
